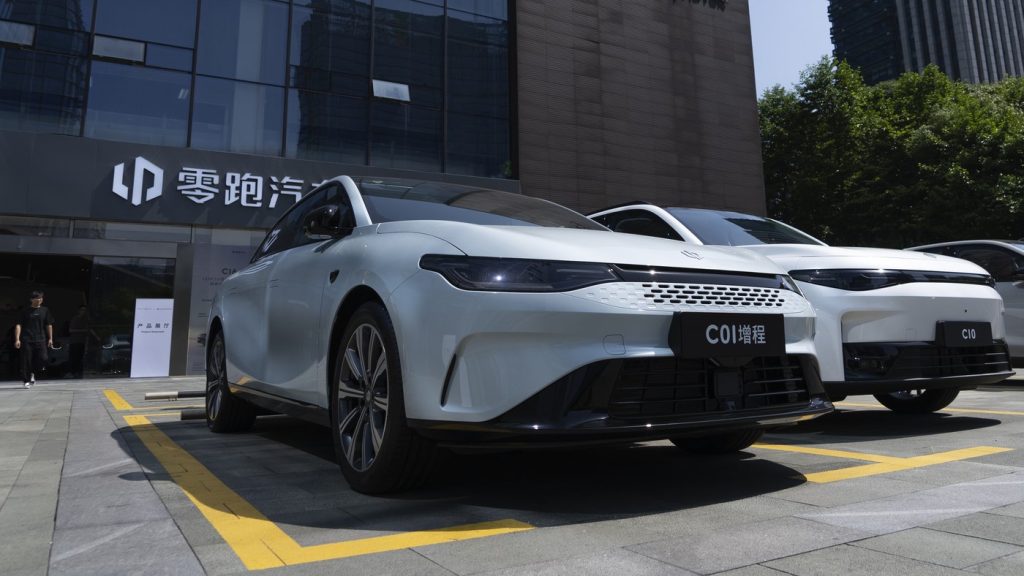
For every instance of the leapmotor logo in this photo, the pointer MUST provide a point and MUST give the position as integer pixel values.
(139, 192)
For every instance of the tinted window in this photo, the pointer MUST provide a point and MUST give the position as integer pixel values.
(643, 223)
(944, 250)
(395, 200)
(326, 127)
(330, 49)
(408, 47)
(165, 21)
(478, 145)
(288, 232)
(136, 104)
(1000, 263)
(736, 229)
(41, 92)
(243, 39)
(238, 116)
(405, 136)
(68, 14)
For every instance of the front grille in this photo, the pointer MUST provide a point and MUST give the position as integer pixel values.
(712, 295)
(653, 389)
(899, 361)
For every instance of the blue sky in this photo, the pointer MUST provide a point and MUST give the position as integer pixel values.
(788, 35)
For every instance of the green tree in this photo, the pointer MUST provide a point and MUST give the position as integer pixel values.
(914, 160)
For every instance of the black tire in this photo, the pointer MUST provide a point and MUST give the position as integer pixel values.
(725, 443)
(224, 411)
(918, 401)
(376, 450)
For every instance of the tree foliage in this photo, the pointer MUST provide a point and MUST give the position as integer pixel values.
(914, 160)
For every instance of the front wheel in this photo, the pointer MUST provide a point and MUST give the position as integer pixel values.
(375, 448)
(918, 401)
(224, 412)
(725, 443)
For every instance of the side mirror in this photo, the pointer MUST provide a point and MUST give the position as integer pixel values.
(326, 221)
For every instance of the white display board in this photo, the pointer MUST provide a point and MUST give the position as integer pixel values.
(151, 341)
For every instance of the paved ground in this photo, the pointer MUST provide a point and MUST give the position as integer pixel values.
(97, 482)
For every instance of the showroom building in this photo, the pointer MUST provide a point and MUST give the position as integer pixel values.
(146, 145)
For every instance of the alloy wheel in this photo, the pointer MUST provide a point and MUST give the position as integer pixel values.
(215, 380)
(363, 397)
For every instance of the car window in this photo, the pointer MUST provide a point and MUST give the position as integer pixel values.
(288, 232)
(643, 223)
(390, 200)
(944, 250)
(737, 229)
(1002, 264)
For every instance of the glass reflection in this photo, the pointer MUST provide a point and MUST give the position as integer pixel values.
(64, 14)
(41, 92)
(165, 21)
(243, 39)
(237, 116)
(136, 104)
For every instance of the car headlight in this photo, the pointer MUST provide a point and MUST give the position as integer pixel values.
(860, 280)
(517, 275)
(786, 281)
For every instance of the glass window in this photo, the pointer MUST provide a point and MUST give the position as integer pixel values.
(227, 236)
(26, 226)
(643, 223)
(493, 8)
(120, 49)
(15, 33)
(243, 39)
(408, 47)
(326, 127)
(1000, 263)
(238, 116)
(405, 136)
(164, 21)
(735, 229)
(389, 200)
(478, 146)
(477, 66)
(168, 57)
(288, 231)
(136, 104)
(62, 41)
(66, 14)
(330, 49)
(41, 92)
(129, 231)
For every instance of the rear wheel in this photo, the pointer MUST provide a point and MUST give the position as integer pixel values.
(224, 412)
(375, 448)
(725, 443)
(918, 401)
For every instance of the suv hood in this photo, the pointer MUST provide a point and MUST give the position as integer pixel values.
(574, 245)
(812, 257)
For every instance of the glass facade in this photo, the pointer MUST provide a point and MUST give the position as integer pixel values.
(268, 77)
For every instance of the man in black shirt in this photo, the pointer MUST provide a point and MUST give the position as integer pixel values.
(33, 334)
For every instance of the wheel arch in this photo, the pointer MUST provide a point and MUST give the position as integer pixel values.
(353, 300)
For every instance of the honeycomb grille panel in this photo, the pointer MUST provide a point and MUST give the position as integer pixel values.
(703, 297)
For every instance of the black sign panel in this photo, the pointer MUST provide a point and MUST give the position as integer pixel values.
(963, 333)
(710, 334)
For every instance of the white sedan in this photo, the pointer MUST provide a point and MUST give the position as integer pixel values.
(1004, 260)
(407, 314)
(911, 329)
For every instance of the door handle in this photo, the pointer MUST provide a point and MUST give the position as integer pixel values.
(333, 276)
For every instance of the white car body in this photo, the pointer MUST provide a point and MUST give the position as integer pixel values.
(473, 360)
(1004, 260)
(892, 316)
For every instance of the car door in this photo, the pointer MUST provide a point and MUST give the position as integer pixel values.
(244, 306)
(297, 285)
(1004, 265)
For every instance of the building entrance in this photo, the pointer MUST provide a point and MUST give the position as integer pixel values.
(93, 303)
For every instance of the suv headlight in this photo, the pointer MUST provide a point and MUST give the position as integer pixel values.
(860, 280)
(517, 275)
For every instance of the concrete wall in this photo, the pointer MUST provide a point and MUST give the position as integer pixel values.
(638, 99)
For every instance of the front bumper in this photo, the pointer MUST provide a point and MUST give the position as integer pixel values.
(654, 398)
(880, 367)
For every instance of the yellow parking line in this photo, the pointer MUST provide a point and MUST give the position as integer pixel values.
(881, 464)
(117, 401)
(257, 541)
(954, 410)
(833, 453)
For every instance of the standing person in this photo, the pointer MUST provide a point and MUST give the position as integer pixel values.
(33, 334)
(79, 331)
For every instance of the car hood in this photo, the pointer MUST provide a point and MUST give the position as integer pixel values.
(812, 257)
(576, 245)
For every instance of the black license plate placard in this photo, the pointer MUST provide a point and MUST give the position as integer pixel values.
(712, 334)
(963, 334)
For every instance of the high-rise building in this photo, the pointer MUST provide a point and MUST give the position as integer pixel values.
(147, 145)
(975, 41)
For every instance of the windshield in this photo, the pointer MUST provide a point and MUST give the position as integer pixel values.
(390, 200)
(738, 229)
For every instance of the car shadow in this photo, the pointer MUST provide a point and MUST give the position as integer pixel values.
(286, 469)
(866, 424)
